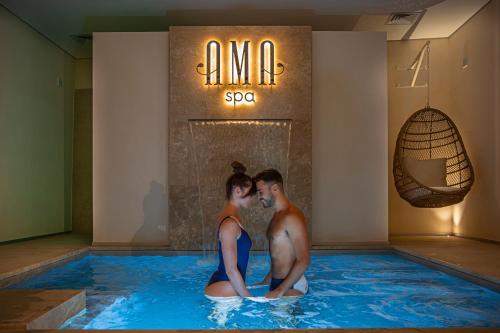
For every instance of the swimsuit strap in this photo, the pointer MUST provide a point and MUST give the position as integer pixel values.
(234, 218)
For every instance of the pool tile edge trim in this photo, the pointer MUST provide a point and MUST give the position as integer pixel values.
(450, 268)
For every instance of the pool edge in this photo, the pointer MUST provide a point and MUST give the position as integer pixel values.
(485, 281)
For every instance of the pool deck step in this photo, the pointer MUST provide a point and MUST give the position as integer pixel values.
(30, 256)
(29, 309)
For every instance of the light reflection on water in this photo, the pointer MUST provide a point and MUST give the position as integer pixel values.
(383, 290)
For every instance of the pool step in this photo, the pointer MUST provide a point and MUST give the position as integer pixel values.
(28, 309)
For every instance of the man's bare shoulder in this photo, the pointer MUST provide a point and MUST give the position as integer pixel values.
(294, 216)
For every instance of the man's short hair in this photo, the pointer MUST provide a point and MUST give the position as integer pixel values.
(270, 176)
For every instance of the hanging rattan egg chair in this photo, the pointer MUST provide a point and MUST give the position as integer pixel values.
(431, 167)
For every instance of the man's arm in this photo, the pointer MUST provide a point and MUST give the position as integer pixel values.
(297, 231)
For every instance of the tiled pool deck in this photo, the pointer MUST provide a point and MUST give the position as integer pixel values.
(478, 257)
(42, 309)
(25, 256)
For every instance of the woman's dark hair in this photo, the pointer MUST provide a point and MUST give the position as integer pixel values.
(239, 179)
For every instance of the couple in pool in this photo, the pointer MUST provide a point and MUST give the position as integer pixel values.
(287, 235)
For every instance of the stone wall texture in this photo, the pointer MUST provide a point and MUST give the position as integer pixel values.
(206, 134)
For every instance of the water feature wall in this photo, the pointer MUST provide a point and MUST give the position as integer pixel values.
(206, 133)
(258, 144)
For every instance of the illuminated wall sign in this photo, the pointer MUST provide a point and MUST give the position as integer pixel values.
(238, 71)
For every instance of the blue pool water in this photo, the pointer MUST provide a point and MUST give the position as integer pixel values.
(372, 290)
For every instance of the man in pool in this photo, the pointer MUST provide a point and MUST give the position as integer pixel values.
(288, 239)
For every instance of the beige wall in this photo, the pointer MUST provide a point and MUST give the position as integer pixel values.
(83, 74)
(403, 218)
(130, 72)
(82, 149)
(82, 166)
(349, 137)
(121, 182)
(497, 114)
(474, 101)
(36, 128)
(470, 97)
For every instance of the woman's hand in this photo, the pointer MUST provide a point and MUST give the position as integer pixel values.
(275, 294)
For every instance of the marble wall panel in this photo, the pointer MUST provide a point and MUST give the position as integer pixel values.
(206, 134)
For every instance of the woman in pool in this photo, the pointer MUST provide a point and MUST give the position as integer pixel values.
(234, 241)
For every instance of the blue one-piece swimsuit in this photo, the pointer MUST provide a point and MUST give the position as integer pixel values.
(243, 246)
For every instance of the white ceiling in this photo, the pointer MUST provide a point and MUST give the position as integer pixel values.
(445, 18)
(438, 21)
(58, 20)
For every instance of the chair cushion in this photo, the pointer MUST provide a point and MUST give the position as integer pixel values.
(431, 173)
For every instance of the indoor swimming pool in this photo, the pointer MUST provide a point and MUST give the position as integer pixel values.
(382, 290)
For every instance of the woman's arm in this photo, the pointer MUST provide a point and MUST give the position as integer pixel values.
(228, 234)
